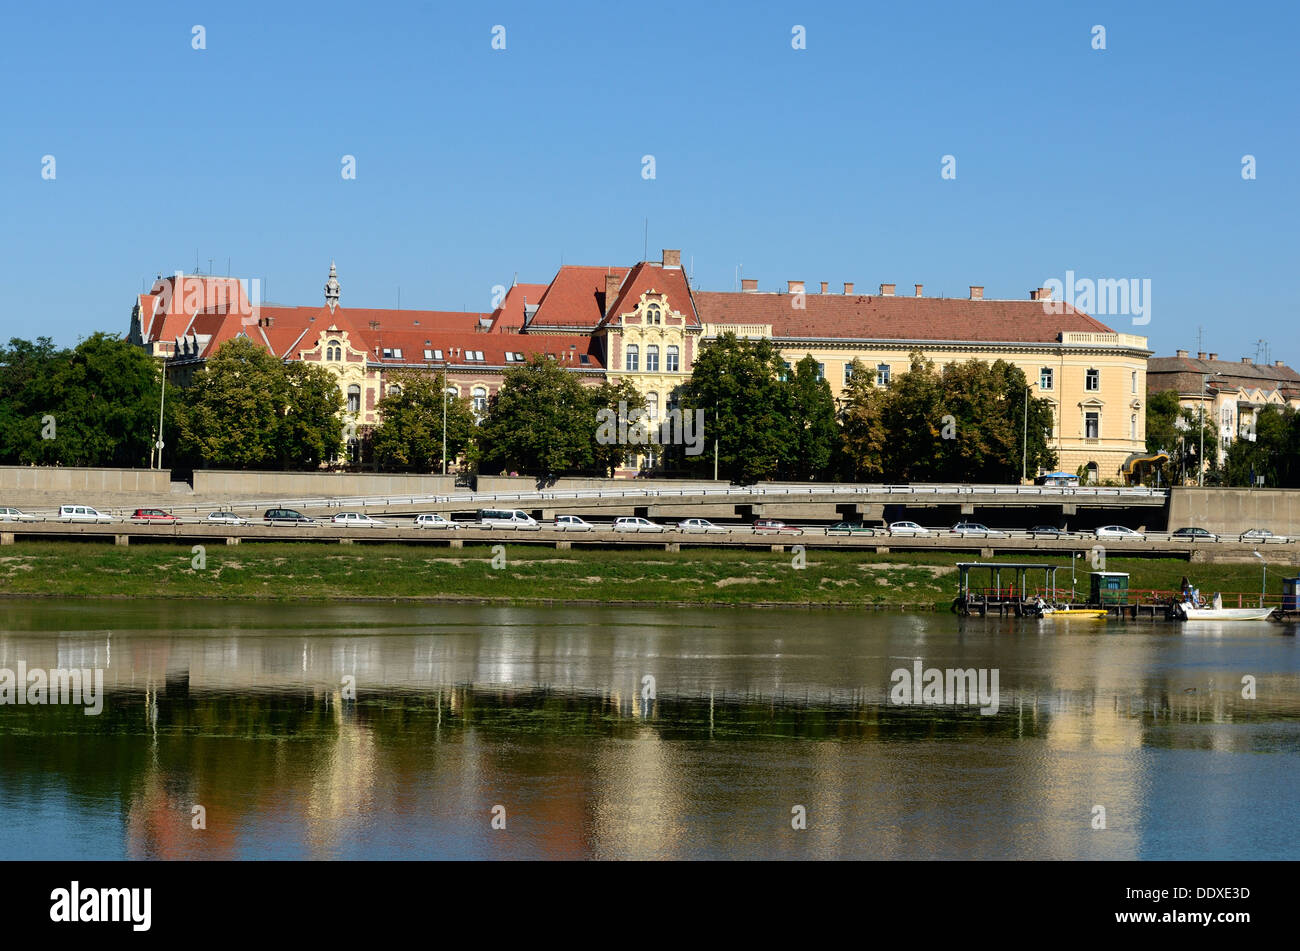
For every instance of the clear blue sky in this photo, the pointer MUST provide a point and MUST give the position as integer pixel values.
(817, 164)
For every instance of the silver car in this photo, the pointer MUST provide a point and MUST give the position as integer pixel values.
(701, 525)
(636, 524)
(9, 514)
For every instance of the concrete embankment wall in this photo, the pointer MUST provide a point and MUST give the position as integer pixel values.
(1233, 511)
(36, 487)
(228, 484)
(490, 484)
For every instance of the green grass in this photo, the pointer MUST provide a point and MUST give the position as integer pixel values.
(317, 570)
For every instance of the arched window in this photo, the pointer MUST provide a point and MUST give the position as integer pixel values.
(652, 405)
(354, 399)
(333, 351)
(633, 357)
(652, 315)
(395, 390)
(479, 399)
(453, 392)
(652, 359)
(670, 360)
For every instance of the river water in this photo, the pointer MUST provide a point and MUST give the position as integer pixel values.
(409, 731)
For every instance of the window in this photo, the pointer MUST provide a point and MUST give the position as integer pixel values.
(510, 357)
(1133, 427)
(519, 357)
(652, 405)
(354, 399)
(583, 359)
(652, 315)
(848, 373)
(388, 354)
(1135, 381)
(394, 390)
(428, 354)
(397, 354)
(453, 392)
(821, 371)
(333, 351)
(437, 354)
(882, 374)
(652, 359)
(1091, 425)
(1045, 378)
(1226, 416)
(633, 357)
(1092, 381)
(479, 399)
(671, 360)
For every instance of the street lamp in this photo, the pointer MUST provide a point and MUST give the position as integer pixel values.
(162, 396)
(1200, 459)
(1024, 442)
(444, 417)
(1263, 585)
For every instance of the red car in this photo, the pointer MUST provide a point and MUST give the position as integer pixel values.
(153, 515)
(776, 525)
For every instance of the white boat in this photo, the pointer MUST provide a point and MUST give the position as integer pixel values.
(1217, 612)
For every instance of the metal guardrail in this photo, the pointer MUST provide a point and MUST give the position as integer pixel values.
(774, 491)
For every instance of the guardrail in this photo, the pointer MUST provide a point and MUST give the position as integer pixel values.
(763, 491)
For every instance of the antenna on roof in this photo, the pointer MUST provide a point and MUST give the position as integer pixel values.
(645, 245)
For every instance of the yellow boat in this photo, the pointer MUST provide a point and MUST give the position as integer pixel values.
(1082, 614)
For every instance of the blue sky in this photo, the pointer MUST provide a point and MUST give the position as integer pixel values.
(474, 165)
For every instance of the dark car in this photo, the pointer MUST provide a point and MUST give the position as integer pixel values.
(1048, 530)
(1195, 534)
(850, 528)
(287, 517)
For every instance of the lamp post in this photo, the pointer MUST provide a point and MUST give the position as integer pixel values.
(1024, 442)
(162, 396)
(444, 418)
(1200, 459)
(1263, 584)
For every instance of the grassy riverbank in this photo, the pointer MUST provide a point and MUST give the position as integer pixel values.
(279, 571)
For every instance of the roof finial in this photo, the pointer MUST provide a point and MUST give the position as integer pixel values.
(332, 289)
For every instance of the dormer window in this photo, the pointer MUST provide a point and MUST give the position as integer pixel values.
(653, 315)
(333, 351)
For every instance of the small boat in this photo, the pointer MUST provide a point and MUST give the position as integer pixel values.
(1046, 610)
(1188, 611)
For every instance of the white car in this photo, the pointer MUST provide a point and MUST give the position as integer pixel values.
(507, 518)
(82, 513)
(701, 525)
(571, 523)
(907, 528)
(433, 520)
(636, 524)
(976, 529)
(8, 514)
(226, 518)
(1119, 532)
(1261, 535)
(357, 520)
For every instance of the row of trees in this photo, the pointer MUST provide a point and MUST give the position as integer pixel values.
(1271, 452)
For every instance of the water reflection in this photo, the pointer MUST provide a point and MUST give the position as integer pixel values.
(248, 712)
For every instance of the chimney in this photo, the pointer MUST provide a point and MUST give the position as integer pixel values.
(612, 283)
(749, 285)
(848, 287)
(918, 290)
(887, 290)
(1180, 353)
(977, 292)
(672, 258)
(1278, 363)
(1214, 356)
(1200, 354)
(1042, 293)
(824, 286)
(795, 287)
(1246, 360)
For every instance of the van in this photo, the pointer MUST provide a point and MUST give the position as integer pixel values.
(81, 513)
(506, 518)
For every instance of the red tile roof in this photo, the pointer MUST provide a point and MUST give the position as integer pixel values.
(858, 317)
(652, 276)
(509, 317)
(575, 298)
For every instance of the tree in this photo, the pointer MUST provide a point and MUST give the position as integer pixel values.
(247, 409)
(409, 435)
(542, 421)
(912, 416)
(27, 374)
(1175, 429)
(1271, 451)
(621, 397)
(990, 422)
(816, 430)
(739, 384)
(863, 424)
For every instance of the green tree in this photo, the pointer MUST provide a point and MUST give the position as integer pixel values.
(1272, 451)
(409, 435)
(863, 429)
(310, 426)
(985, 441)
(912, 416)
(541, 421)
(616, 397)
(1175, 429)
(27, 374)
(740, 386)
(107, 397)
(816, 430)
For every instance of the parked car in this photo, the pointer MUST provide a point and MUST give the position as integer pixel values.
(636, 524)
(571, 523)
(1119, 532)
(81, 513)
(1263, 536)
(907, 528)
(1194, 534)
(764, 525)
(701, 525)
(10, 514)
(357, 520)
(975, 528)
(433, 520)
(227, 518)
(1049, 530)
(154, 515)
(506, 518)
(850, 528)
(287, 517)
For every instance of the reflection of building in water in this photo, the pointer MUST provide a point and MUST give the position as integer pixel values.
(340, 792)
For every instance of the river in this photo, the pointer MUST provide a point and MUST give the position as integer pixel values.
(413, 731)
